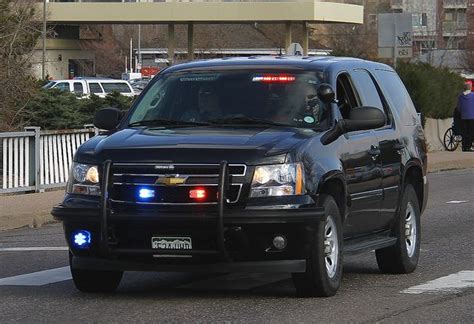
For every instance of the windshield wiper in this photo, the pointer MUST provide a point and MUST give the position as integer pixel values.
(245, 121)
(165, 122)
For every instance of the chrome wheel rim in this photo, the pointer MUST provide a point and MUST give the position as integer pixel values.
(331, 247)
(410, 230)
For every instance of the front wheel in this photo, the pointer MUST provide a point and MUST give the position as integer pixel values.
(324, 263)
(403, 256)
(94, 281)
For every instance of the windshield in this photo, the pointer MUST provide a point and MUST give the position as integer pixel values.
(233, 97)
(49, 85)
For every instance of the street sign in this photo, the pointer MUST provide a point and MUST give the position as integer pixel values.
(395, 35)
(294, 49)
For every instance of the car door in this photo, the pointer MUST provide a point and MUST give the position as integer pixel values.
(389, 142)
(361, 162)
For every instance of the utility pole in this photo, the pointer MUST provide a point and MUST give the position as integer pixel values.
(43, 59)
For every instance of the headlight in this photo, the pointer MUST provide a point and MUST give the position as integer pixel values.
(84, 180)
(278, 180)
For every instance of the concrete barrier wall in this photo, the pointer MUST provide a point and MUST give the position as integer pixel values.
(434, 132)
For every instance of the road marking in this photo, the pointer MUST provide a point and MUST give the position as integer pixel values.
(236, 281)
(457, 201)
(39, 278)
(41, 248)
(453, 283)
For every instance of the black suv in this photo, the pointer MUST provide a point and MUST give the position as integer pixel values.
(252, 164)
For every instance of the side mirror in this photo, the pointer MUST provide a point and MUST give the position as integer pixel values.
(107, 118)
(326, 93)
(361, 118)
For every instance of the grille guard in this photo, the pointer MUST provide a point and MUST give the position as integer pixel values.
(105, 205)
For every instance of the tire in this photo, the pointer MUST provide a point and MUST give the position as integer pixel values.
(93, 281)
(403, 256)
(449, 140)
(323, 267)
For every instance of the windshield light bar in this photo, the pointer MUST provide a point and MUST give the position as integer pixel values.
(274, 78)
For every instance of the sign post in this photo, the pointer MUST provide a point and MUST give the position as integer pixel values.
(395, 36)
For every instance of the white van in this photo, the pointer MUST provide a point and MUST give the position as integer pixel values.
(84, 87)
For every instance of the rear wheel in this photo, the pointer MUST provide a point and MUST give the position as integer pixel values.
(450, 141)
(403, 256)
(94, 281)
(324, 263)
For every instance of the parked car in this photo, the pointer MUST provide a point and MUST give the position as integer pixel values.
(84, 87)
(139, 85)
(251, 165)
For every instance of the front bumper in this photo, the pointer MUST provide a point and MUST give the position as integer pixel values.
(278, 266)
(224, 239)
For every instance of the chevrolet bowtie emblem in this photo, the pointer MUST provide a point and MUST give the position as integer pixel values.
(171, 180)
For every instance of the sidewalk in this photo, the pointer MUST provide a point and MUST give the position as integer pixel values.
(34, 209)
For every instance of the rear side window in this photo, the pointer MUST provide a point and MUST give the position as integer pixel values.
(78, 89)
(398, 96)
(116, 86)
(95, 88)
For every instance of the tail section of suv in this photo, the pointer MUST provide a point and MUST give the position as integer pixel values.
(251, 165)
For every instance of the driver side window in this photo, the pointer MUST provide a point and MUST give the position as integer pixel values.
(346, 95)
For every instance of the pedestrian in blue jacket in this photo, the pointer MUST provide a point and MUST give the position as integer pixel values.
(466, 108)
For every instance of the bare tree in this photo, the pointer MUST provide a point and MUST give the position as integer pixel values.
(19, 32)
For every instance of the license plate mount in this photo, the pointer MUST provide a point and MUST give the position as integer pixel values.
(170, 243)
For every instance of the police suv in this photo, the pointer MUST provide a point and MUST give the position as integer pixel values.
(255, 164)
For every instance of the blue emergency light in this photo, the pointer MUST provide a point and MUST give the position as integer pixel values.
(81, 239)
(145, 193)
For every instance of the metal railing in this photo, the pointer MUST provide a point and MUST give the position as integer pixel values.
(35, 160)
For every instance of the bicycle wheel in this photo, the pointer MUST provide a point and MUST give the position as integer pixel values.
(449, 142)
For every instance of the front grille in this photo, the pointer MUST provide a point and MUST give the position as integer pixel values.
(171, 183)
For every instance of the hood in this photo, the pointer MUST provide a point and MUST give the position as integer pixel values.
(204, 144)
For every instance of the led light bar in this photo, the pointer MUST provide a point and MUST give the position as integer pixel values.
(274, 78)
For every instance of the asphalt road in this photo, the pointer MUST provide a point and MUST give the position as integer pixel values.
(365, 294)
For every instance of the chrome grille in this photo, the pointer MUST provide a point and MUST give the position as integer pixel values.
(172, 182)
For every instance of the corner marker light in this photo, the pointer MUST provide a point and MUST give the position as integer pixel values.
(145, 193)
(81, 239)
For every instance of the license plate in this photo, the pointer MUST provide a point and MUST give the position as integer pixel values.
(171, 243)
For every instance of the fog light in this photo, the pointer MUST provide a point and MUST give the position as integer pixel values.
(279, 242)
(81, 239)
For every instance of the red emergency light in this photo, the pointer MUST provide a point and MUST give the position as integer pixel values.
(274, 78)
(199, 193)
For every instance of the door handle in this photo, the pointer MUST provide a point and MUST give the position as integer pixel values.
(399, 147)
(374, 152)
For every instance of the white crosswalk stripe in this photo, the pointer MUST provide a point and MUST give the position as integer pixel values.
(40, 248)
(39, 278)
(453, 283)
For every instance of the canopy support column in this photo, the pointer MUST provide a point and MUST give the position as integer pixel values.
(190, 41)
(288, 35)
(171, 43)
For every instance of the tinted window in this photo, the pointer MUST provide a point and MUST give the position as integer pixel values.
(95, 88)
(115, 86)
(288, 98)
(398, 96)
(369, 92)
(78, 89)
